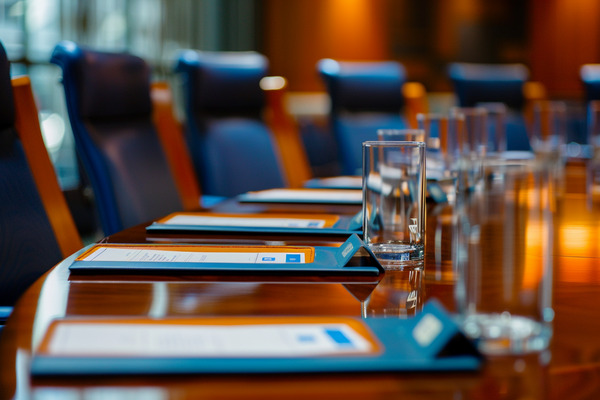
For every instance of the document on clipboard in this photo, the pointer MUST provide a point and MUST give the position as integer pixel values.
(319, 224)
(316, 196)
(351, 258)
(431, 341)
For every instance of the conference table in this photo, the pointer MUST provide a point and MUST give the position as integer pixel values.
(570, 368)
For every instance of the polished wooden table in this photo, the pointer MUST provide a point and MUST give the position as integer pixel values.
(569, 369)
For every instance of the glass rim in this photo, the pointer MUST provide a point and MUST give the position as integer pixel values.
(394, 143)
(433, 116)
(402, 130)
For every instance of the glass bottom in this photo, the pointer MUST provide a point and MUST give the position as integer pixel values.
(504, 334)
(398, 256)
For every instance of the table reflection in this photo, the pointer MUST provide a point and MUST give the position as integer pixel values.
(399, 294)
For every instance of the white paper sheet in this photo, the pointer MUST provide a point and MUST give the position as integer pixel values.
(265, 222)
(277, 340)
(120, 254)
(340, 195)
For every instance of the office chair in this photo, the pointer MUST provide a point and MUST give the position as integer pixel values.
(231, 146)
(110, 110)
(36, 227)
(590, 78)
(365, 97)
(475, 84)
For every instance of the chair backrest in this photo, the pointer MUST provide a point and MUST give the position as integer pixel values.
(231, 146)
(495, 83)
(364, 96)
(590, 77)
(36, 227)
(110, 110)
(482, 83)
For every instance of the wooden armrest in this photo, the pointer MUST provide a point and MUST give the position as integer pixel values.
(171, 137)
(28, 125)
(415, 96)
(291, 150)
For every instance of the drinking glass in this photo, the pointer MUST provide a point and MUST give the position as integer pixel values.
(549, 130)
(593, 163)
(394, 201)
(468, 138)
(502, 253)
(496, 127)
(472, 139)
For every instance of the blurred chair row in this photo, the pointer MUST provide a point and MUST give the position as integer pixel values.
(141, 165)
(234, 145)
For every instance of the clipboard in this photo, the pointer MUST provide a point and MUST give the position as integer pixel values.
(351, 258)
(335, 182)
(312, 224)
(303, 196)
(430, 341)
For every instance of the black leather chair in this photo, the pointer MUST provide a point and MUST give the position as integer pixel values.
(110, 110)
(232, 147)
(36, 229)
(365, 97)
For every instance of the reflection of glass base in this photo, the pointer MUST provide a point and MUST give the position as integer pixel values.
(398, 256)
(503, 334)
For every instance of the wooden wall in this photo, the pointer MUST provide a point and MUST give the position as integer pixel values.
(553, 37)
(564, 34)
(297, 33)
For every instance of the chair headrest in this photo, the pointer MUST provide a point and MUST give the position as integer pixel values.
(590, 73)
(7, 110)
(590, 76)
(105, 84)
(223, 82)
(477, 83)
(363, 86)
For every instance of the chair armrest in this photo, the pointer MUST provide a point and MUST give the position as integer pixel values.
(415, 96)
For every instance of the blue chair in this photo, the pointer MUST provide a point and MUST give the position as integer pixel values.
(110, 110)
(231, 146)
(36, 227)
(590, 77)
(495, 83)
(365, 97)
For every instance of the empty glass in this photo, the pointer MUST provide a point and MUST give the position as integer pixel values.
(549, 130)
(593, 163)
(503, 257)
(394, 201)
(496, 127)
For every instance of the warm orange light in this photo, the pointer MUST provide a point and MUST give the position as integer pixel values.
(353, 29)
(575, 240)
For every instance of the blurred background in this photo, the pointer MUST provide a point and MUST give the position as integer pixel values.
(552, 37)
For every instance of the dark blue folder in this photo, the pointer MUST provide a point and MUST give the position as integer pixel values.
(431, 341)
(352, 258)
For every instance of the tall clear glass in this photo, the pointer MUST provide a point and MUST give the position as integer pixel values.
(394, 201)
(502, 252)
(593, 163)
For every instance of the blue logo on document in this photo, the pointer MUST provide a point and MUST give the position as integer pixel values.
(292, 258)
(268, 258)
